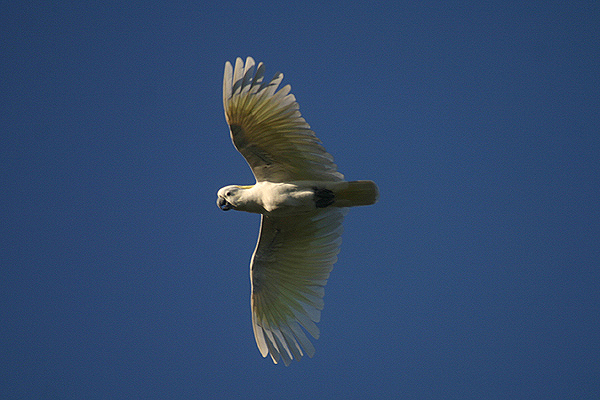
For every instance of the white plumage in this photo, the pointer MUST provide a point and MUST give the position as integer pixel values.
(302, 199)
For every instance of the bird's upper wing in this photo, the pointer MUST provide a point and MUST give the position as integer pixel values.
(289, 269)
(267, 128)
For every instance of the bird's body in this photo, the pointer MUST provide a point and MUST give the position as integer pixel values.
(302, 199)
(293, 198)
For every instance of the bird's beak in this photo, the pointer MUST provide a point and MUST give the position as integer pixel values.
(224, 204)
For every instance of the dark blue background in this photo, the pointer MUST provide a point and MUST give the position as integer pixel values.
(475, 276)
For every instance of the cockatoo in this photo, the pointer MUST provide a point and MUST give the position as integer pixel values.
(302, 200)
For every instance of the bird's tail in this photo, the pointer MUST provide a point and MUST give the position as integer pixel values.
(356, 193)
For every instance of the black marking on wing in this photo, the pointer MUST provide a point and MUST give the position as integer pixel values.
(255, 155)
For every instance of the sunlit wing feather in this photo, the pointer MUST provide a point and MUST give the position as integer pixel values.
(290, 267)
(268, 130)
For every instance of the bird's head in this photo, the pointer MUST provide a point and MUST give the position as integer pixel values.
(228, 196)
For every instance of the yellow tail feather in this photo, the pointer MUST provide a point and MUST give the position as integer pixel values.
(357, 193)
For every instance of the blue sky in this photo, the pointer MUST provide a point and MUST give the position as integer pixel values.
(475, 276)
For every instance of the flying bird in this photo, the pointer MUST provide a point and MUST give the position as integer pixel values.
(302, 199)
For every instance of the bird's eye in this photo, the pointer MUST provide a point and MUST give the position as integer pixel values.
(228, 194)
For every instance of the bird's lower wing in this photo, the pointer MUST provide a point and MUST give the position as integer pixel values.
(290, 267)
